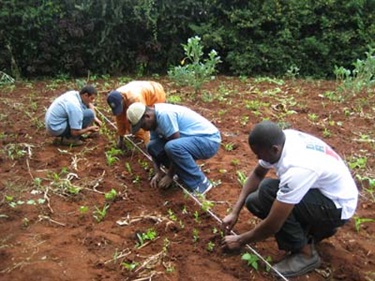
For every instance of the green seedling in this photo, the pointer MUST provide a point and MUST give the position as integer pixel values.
(210, 246)
(251, 260)
(143, 164)
(195, 235)
(368, 185)
(111, 159)
(312, 117)
(149, 235)
(137, 179)
(128, 168)
(327, 133)
(172, 216)
(357, 162)
(166, 244)
(130, 266)
(184, 210)
(207, 205)
(174, 99)
(235, 162)
(110, 195)
(241, 177)
(244, 120)
(359, 221)
(15, 151)
(196, 217)
(228, 146)
(25, 222)
(37, 183)
(181, 223)
(83, 209)
(100, 214)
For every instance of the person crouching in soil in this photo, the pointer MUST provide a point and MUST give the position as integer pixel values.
(72, 115)
(146, 92)
(313, 196)
(179, 137)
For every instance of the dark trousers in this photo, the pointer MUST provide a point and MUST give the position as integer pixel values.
(316, 216)
(88, 119)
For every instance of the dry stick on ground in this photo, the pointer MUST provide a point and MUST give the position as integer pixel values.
(122, 254)
(50, 220)
(151, 262)
(96, 183)
(45, 196)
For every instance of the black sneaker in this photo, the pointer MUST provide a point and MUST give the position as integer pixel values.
(71, 141)
(298, 264)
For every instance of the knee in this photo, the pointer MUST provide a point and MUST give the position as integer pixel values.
(150, 147)
(89, 114)
(171, 148)
(268, 189)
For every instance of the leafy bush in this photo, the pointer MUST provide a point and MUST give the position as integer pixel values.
(361, 77)
(196, 71)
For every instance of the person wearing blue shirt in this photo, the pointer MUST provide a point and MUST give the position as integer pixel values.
(178, 137)
(71, 115)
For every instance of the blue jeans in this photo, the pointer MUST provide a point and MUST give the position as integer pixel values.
(316, 216)
(182, 154)
(88, 119)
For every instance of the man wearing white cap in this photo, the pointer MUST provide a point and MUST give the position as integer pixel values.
(146, 92)
(179, 137)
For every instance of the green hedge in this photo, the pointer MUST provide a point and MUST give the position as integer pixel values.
(51, 37)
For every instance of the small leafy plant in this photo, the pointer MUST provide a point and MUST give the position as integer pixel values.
(100, 214)
(210, 246)
(149, 235)
(111, 155)
(251, 260)
(359, 221)
(110, 195)
(241, 177)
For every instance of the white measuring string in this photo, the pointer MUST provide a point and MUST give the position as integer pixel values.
(127, 137)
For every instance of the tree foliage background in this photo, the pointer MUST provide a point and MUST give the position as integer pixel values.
(72, 37)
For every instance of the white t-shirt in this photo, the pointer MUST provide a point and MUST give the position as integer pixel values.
(307, 162)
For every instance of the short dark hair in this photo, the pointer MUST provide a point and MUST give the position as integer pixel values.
(88, 89)
(266, 134)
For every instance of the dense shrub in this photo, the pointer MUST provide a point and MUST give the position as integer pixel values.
(48, 37)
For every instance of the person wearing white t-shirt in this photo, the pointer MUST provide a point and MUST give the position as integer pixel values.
(313, 195)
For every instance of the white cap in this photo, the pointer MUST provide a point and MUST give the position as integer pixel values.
(134, 114)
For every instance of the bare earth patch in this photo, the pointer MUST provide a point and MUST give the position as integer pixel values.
(50, 194)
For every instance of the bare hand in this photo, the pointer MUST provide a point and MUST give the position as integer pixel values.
(155, 180)
(228, 223)
(121, 144)
(94, 128)
(165, 182)
(231, 243)
(98, 122)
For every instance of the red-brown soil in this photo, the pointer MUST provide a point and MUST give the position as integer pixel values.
(56, 240)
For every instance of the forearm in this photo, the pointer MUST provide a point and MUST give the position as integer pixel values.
(259, 233)
(251, 184)
(76, 133)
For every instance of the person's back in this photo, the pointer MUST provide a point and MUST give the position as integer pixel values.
(171, 118)
(146, 92)
(307, 158)
(68, 104)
